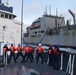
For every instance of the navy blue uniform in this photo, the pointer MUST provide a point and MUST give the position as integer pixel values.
(5, 49)
(56, 57)
(50, 54)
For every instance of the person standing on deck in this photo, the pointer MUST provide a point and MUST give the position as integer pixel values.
(27, 53)
(50, 54)
(56, 57)
(31, 53)
(19, 49)
(40, 51)
(5, 49)
(12, 54)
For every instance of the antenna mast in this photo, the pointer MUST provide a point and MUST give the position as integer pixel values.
(46, 10)
(56, 12)
(49, 9)
(7, 2)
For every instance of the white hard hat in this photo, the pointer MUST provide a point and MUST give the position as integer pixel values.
(39, 44)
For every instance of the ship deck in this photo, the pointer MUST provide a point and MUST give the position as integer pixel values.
(28, 68)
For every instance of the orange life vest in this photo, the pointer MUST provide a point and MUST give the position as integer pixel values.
(50, 51)
(19, 48)
(27, 49)
(40, 49)
(56, 51)
(31, 50)
(12, 48)
(4, 49)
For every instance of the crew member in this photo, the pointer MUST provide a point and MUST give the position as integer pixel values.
(31, 53)
(12, 54)
(5, 49)
(19, 49)
(40, 51)
(56, 57)
(27, 53)
(50, 54)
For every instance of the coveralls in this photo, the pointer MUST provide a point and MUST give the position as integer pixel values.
(27, 53)
(19, 49)
(56, 57)
(50, 53)
(12, 54)
(40, 51)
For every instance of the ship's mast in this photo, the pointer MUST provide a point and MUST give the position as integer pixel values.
(49, 9)
(21, 22)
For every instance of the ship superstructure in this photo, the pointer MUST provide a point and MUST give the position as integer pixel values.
(10, 29)
(51, 29)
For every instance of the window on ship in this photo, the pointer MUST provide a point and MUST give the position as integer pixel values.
(35, 32)
(38, 31)
(42, 31)
(2, 15)
(9, 16)
(6, 16)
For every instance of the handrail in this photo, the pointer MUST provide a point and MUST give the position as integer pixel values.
(70, 65)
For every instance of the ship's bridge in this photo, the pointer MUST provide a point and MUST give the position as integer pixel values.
(6, 14)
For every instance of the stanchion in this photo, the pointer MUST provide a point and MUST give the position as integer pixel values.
(72, 64)
(61, 61)
(68, 70)
(2, 63)
(48, 60)
(35, 53)
(6, 59)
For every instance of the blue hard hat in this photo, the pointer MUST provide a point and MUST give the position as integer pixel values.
(18, 44)
(5, 44)
(26, 44)
(58, 45)
(11, 44)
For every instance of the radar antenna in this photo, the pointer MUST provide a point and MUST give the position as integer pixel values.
(7, 2)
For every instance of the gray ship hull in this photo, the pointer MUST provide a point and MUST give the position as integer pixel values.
(65, 38)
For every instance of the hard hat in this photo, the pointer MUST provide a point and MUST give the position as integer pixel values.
(26, 44)
(11, 44)
(51, 44)
(57, 45)
(18, 44)
(39, 44)
(5, 44)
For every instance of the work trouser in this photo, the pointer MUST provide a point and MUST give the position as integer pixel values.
(31, 55)
(39, 56)
(56, 61)
(51, 61)
(12, 54)
(5, 57)
(19, 54)
(27, 56)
